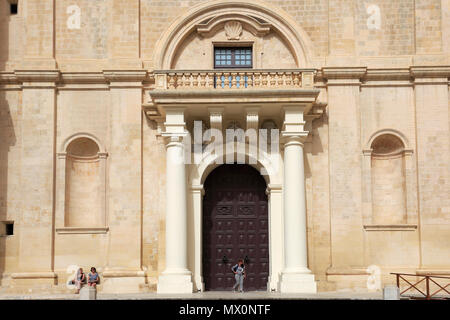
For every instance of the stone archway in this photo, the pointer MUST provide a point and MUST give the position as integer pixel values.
(271, 172)
(249, 12)
(235, 226)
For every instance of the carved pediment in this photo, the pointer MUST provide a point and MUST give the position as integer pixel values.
(233, 25)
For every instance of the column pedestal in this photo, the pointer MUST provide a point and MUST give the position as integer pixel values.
(169, 283)
(297, 283)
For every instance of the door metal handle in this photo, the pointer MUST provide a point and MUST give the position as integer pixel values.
(246, 260)
(224, 259)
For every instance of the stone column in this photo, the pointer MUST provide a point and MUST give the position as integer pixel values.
(176, 278)
(296, 277)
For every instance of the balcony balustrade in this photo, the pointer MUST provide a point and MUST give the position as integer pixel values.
(233, 79)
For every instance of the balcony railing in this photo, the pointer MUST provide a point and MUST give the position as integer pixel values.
(233, 79)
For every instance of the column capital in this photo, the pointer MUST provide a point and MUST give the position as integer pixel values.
(174, 138)
(294, 138)
(174, 123)
(294, 121)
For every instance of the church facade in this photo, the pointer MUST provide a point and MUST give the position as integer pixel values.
(161, 141)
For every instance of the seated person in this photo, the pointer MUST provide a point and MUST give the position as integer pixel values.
(93, 278)
(80, 279)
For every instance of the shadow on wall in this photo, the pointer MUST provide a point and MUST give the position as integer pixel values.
(7, 134)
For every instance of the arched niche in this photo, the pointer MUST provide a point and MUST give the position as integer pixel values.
(268, 29)
(81, 186)
(388, 181)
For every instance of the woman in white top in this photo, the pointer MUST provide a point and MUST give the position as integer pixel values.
(80, 279)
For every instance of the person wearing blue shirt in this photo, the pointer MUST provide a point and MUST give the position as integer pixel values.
(93, 277)
(239, 274)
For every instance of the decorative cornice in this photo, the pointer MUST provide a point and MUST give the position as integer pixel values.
(430, 72)
(8, 78)
(400, 74)
(83, 77)
(37, 75)
(55, 76)
(333, 73)
(384, 76)
(125, 75)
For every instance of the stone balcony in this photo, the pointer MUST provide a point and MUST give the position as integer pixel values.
(234, 91)
(226, 79)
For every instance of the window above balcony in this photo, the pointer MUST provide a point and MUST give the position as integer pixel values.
(233, 57)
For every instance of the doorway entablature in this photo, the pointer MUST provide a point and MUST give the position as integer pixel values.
(241, 106)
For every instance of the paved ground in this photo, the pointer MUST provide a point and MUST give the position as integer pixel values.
(205, 295)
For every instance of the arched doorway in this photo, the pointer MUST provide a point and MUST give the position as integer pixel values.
(235, 225)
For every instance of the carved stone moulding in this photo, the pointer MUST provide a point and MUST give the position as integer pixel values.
(233, 24)
(233, 30)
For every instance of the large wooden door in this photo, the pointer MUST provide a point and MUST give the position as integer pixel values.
(235, 226)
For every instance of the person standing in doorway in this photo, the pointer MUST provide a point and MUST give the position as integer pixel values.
(239, 275)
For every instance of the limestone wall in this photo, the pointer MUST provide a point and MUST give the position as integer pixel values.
(81, 39)
(95, 35)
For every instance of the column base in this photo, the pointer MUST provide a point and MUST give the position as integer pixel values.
(173, 283)
(297, 283)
